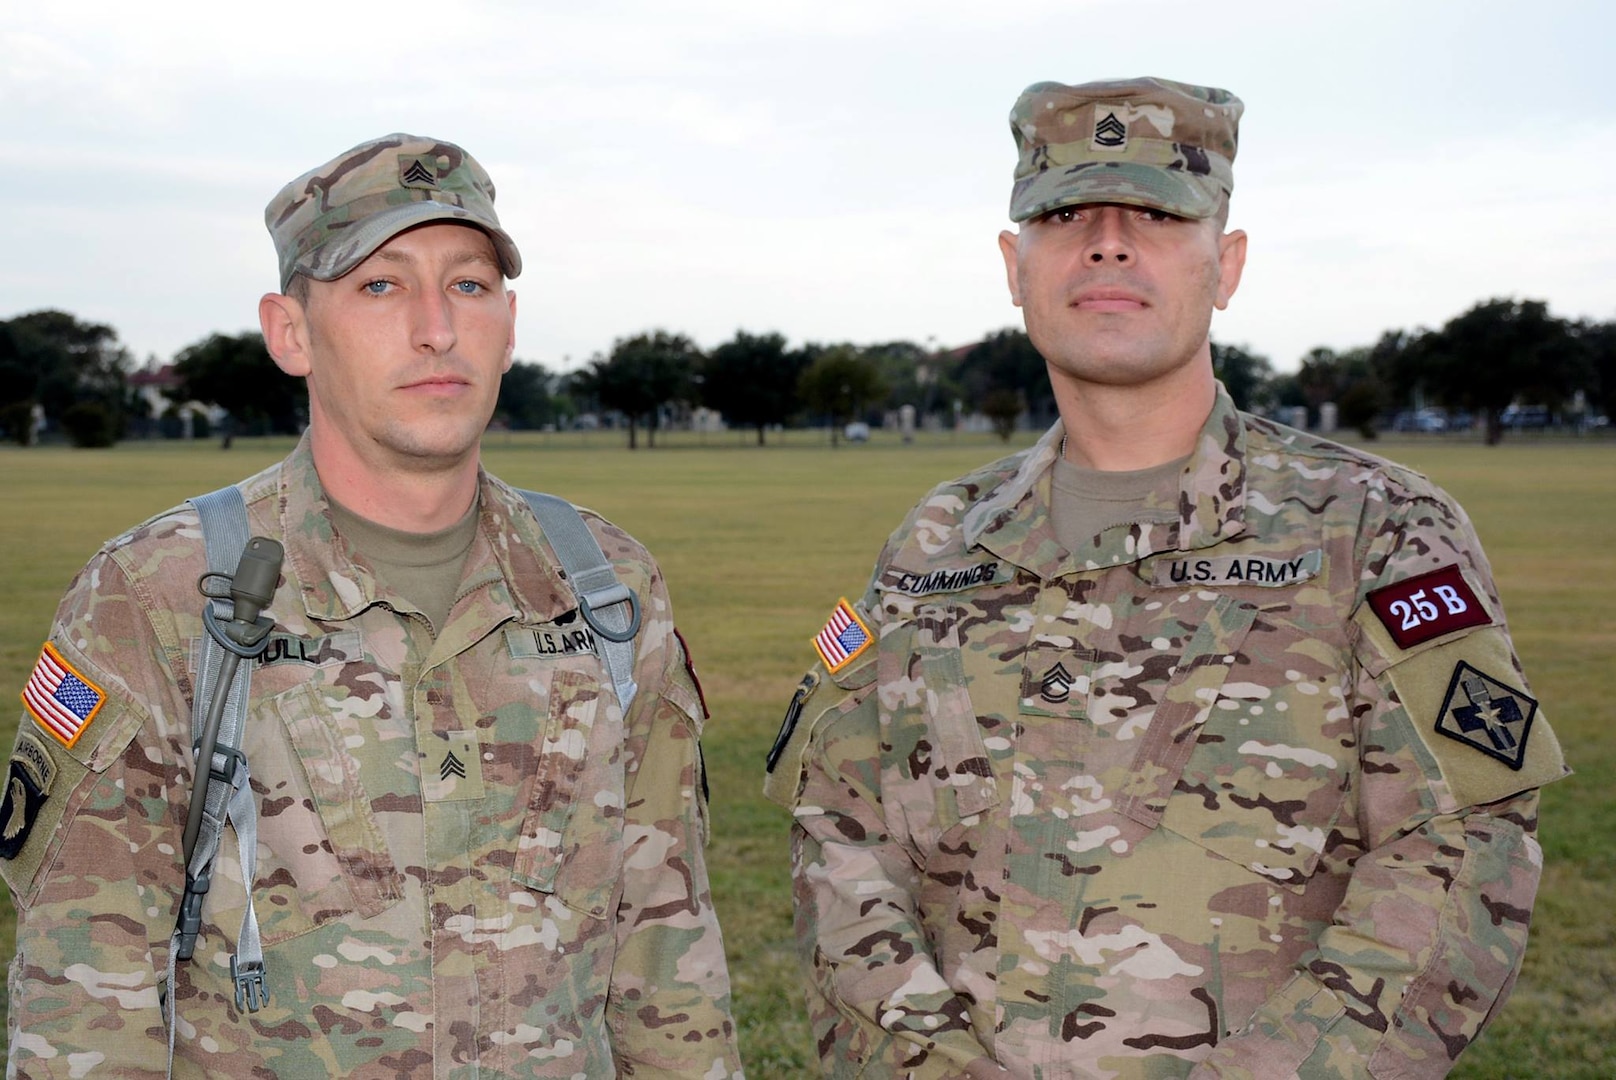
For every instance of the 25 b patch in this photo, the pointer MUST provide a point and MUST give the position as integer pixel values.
(1488, 715)
(1427, 606)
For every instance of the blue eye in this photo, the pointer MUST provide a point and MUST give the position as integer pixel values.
(376, 288)
(470, 288)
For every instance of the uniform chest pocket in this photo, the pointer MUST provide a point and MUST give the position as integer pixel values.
(321, 853)
(1184, 706)
(571, 840)
(1268, 771)
(934, 756)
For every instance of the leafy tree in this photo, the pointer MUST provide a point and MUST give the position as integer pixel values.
(899, 364)
(235, 372)
(17, 419)
(1351, 380)
(90, 424)
(1002, 406)
(525, 400)
(838, 383)
(1598, 342)
(1007, 360)
(752, 380)
(1246, 375)
(1486, 357)
(52, 359)
(642, 374)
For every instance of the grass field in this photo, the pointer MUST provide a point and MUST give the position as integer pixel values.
(758, 544)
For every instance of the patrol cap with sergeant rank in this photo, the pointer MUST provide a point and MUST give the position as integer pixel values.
(1141, 142)
(333, 217)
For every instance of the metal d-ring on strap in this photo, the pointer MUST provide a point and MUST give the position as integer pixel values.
(617, 594)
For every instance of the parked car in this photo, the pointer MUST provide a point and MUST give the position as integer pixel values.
(1420, 420)
(1526, 417)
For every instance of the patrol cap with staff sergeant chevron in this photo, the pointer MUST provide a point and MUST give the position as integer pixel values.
(333, 217)
(1141, 142)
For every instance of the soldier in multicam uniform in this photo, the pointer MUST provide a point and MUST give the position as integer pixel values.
(471, 862)
(1183, 743)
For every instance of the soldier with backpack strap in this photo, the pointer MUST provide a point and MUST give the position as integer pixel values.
(457, 754)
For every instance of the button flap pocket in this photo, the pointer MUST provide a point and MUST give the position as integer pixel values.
(1186, 702)
(571, 842)
(358, 859)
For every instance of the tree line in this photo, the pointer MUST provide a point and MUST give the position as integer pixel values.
(60, 373)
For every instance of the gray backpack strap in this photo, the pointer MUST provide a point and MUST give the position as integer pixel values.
(611, 608)
(228, 794)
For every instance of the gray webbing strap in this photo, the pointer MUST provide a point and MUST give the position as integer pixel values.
(609, 607)
(225, 533)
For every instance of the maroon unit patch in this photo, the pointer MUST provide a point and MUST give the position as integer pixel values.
(1427, 606)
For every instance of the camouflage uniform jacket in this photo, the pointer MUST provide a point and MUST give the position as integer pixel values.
(1176, 803)
(471, 863)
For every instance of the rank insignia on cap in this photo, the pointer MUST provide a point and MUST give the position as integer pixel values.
(1489, 716)
(844, 637)
(418, 170)
(1420, 608)
(1109, 132)
(61, 700)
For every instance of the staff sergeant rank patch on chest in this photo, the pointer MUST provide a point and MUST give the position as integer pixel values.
(1262, 570)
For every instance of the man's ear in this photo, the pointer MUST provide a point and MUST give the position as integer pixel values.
(510, 344)
(1231, 262)
(286, 332)
(1008, 247)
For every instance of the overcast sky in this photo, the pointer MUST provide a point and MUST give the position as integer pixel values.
(832, 170)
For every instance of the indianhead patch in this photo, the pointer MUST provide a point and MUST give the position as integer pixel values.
(844, 637)
(59, 698)
(1427, 606)
(1488, 715)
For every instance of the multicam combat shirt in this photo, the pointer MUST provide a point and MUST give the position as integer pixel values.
(1183, 796)
(470, 862)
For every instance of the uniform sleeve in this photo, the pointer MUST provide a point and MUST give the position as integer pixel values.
(878, 1003)
(91, 856)
(670, 991)
(1428, 939)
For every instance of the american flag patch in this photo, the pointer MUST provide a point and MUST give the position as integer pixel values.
(59, 698)
(843, 638)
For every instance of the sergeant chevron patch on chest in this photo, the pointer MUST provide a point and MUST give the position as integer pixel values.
(451, 767)
(1261, 570)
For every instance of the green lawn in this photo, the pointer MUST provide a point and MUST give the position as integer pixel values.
(758, 544)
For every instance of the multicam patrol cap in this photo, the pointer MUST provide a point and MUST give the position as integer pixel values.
(332, 218)
(1141, 142)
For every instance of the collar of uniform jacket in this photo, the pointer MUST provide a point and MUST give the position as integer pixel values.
(1013, 521)
(504, 557)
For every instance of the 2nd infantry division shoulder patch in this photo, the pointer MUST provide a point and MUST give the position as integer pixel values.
(1488, 715)
(843, 639)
